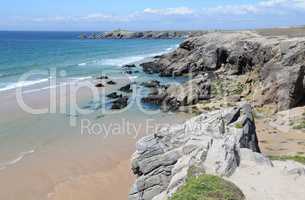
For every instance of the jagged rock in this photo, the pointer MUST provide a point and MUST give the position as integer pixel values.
(249, 138)
(163, 161)
(127, 88)
(99, 85)
(102, 77)
(123, 34)
(232, 116)
(128, 72)
(156, 99)
(151, 84)
(286, 85)
(280, 61)
(175, 96)
(189, 93)
(223, 157)
(120, 103)
(130, 66)
(114, 95)
(111, 83)
(151, 67)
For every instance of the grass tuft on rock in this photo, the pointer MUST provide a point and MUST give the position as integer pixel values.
(208, 187)
(297, 158)
(299, 125)
(239, 125)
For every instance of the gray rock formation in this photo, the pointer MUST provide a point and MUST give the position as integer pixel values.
(280, 61)
(120, 103)
(121, 34)
(175, 96)
(208, 143)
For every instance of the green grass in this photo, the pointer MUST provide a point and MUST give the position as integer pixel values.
(299, 125)
(238, 125)
(298, 158)
(208, 187)
(238, 89)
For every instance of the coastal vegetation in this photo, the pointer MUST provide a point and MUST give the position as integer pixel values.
(297, 158)
(208, 187)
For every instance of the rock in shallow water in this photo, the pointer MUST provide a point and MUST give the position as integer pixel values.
(114, 95)
(127, 88)
(111, 83)
(120, 103)
(99, 85)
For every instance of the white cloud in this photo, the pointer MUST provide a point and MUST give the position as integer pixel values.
(271, 3)
(300, 4)
(234, 9)
(271, 7)
(96, 17)
(169, 11)
(264, 6)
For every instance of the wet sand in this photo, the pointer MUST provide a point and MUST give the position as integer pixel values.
(56, 161)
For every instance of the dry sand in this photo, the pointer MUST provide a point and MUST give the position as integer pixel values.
(64, 164)
(278, 137)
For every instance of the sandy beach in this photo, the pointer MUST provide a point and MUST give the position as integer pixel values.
(43, 161)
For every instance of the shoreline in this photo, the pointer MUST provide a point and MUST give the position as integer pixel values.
(92, 165)
(63, 163)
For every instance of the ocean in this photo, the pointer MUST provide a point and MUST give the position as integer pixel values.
(42, 156)
(23, 52)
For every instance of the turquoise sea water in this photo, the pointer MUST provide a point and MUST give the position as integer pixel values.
(22, 52)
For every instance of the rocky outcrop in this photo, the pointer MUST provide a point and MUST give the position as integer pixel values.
(121, 34)
(99, 85)
(208, 143)
(127, 88)
(114, 95)
(238, 52)
(151, 84)
(279, 60)
(102, 77)
(175, 96)
(222, 143)
(111, 82)
(120, 103)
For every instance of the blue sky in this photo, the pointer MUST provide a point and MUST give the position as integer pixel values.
(149, 14)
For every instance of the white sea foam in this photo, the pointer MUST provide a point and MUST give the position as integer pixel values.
(82, 64)
(132, 59)
(70, 81)
(19, 84)
(20, 157)
(81, 78)
(39, 89)
(122, 60)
